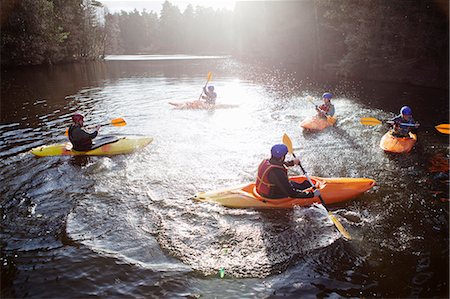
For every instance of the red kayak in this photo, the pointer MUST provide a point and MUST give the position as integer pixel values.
(199, 105)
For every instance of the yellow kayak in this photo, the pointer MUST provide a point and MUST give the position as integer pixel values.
(333, 190)
(390, 143)
(317, 123)
(119, 145)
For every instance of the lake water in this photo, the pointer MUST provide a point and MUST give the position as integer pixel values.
(127, 225)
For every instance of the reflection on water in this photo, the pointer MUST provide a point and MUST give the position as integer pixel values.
(160, 57)
(125, 225)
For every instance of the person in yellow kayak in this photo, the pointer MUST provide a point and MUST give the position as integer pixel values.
(210, 95)
(80, 139)
(326, 109)
(273, 182)
(403, 123)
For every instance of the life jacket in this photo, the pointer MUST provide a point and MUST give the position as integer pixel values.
(400, 130)
(324, 108)
(263, 186)
(79, 139)
(211, 97)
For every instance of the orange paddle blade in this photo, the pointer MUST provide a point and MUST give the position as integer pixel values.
(369, 121)
(118, 122)
(443, 128)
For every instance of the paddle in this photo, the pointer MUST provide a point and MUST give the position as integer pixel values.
(287, 141)
(117, 122)
(331, 120)
(207, 80)
(371, 121)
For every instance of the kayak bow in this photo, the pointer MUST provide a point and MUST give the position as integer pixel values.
(390, 143)
(317, 123)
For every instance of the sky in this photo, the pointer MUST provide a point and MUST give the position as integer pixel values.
(156, 5)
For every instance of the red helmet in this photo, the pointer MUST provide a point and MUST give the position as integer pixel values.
(76, 117)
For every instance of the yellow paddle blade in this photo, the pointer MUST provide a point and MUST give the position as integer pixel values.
(287, 141)
(209, 76)
(339, 226)
(331, 120)
(370, 121)
(443, 128)
(118, 122)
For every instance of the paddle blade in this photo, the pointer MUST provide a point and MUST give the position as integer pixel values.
(287, 141)
(369, 121)
(118, 122)
(331, 120)
(67, 132)
(339, 226)
(443, 128)
(209, 76)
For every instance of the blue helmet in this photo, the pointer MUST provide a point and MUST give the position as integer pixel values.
(211, 87)
(327, 95)
(406, 110)
(279, 150)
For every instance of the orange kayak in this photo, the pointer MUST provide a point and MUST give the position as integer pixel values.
(390, 143)
(333, 190)
(198, 105)
(317, 123)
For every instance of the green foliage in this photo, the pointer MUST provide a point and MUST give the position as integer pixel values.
(50, 31)
(199, 30)
(390, 40)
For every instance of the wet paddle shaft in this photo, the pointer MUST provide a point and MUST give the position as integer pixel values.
(372, 121)
(287, 141)
(207, 80)
(117, 122)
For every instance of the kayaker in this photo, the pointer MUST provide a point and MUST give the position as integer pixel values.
(210, 96)
(273, 181)
(80, 139)
(405, 117)
(326, 109)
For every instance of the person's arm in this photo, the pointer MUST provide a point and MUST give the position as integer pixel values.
(279, 178)
(289, 163)
(84, 135)
(331, 111)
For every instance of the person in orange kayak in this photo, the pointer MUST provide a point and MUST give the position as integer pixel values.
(326, 109)
(210, 96)
(403, 123)
(80, 139)
(272, 180)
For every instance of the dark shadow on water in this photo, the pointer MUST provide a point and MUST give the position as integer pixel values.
(277, 236)
(79, 161)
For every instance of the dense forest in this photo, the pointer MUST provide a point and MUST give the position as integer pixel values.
(401, 40)
(47, 32)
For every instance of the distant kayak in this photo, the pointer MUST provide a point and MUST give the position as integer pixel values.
(333, 190)
(201, 105)
(316, 123)
(390, 143)
(108, 145)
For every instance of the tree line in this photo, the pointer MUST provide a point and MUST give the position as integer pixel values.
(199, 30)
(50, 31)
(400, 40)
